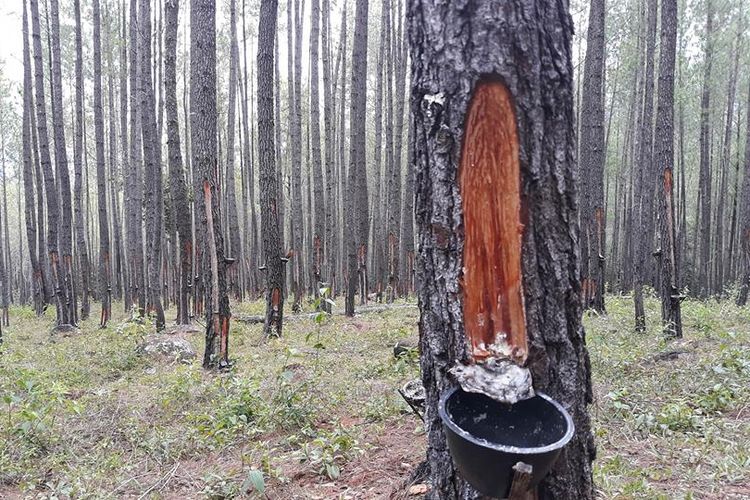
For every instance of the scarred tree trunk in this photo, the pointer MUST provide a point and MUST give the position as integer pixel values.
(203, 138)
(268, 175)
(177, 187)
(643, 192)
(669, 256)
(530, 53)
(593, 216)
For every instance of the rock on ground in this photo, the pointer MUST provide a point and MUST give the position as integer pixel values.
(172, 347)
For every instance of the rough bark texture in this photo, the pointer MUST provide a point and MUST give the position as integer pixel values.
(526, 45)
(744, 222)
(669, 256)
(298, 286)
(356, 213)
(318, 257)
(152, 169)
(135, 175)
(593, 228)
(234, 247)
(268, 175)
(643, 192)
(28, 172)
(205, 160)
(50, 187)
(101, 177)
(83, 256)
(68, 298)
(177, 187)
(704, 180)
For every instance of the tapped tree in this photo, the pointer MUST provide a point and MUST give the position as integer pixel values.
(203, 130)
(495, 173)
(268, 178)
(593, 220)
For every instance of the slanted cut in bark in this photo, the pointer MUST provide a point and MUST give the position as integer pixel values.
(490, 183)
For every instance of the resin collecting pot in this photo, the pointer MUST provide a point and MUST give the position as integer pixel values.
(486, 438)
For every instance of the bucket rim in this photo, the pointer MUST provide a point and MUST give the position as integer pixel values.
(538, 450)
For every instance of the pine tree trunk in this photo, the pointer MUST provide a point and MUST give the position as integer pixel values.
(328, 119)
(669, 256)
(135, 175)
(643, 192)
(531, 54)
(50, 187)
(203, 138)
(125, 158)
(298, 285)
(318, 257)
(744, 221)
(67, 290)
(356, 227)
(28, 173)
(268, 174)
(704, 181)
(152, 169)
(235, 247)
(177, 186)
(593, 155)
(105, 290)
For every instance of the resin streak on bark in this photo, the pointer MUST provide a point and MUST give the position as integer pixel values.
(490, 190)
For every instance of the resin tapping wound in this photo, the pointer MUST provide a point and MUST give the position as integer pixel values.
(490, 182)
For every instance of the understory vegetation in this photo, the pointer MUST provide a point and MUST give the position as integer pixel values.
(316, 414)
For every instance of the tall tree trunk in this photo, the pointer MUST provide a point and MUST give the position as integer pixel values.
(531, 53)
(669, 256)
(318, 257)
(80, 226)
(298, 285)
(643, 191)
(704, 181)
(235, 248)
(28, 173)
(50, 186)
(744, 222)
(67, 289)
(379, 204)
(407, 219)
(356, 228)
(328, 119)
(125, 158)
(593, 155)
(177, 186)
(152, 168)
(203, 129)
(105, 290)
(268, 174)
(135, 176)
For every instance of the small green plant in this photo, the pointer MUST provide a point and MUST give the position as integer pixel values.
(329, 450)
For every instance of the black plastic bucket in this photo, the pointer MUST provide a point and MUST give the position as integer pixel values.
(486, 438)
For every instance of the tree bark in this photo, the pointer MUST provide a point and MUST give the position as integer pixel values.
(28, 173)
(669, 256)
(152, 169)
(526, 45)
(234, 248)
(593, 155)
(356, 226)
(203, 138)
(177, 186)
(268, 175)
(643, 192)
(704, 181)
(744, 222)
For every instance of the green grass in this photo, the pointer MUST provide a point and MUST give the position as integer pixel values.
(85, 417)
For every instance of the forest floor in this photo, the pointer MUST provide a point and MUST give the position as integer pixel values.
(316, 414)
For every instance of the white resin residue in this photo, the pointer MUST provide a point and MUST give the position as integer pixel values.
(500, 379)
